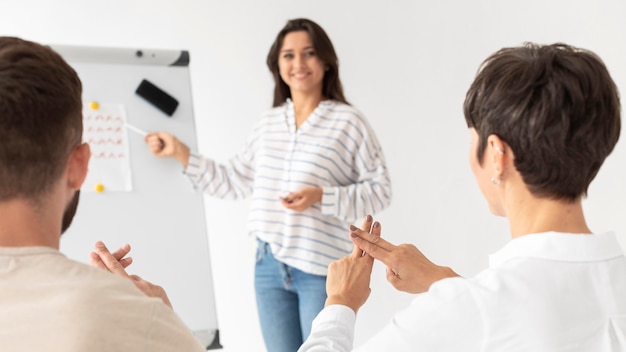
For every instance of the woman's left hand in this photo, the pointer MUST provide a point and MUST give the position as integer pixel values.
(408, 270)
(302, 199)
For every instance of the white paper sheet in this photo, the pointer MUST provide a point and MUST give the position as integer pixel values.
(104, 130)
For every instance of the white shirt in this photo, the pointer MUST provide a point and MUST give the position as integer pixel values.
(51, 303)
(335, 149)
(542, 292)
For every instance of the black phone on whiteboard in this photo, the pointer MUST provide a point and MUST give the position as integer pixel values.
(157, 97)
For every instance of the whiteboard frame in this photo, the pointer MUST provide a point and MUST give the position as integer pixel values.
(162, 204)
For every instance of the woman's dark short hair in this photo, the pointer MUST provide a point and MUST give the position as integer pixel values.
(40, 117)
(557, 108)
(331, 87)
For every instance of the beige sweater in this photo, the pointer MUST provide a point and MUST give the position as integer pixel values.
(51, 303)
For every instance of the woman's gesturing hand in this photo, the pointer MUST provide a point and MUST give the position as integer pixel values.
(408, 269)
(348, 280)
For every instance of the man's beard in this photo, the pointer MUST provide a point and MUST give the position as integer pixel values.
(70, 211)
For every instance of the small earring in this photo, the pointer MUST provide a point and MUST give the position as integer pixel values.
(496, 181)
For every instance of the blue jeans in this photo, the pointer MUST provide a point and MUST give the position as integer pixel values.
(288, 300)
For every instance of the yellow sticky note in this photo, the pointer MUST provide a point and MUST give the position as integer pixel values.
(94, 105)
(99, 187)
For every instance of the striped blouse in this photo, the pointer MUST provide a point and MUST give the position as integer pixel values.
(335, 149)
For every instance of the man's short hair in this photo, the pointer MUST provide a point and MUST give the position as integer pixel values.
(40, 117)
(558, 109)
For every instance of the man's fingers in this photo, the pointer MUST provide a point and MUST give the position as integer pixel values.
(120, 255)
(112, 264)
(121, 252)
(94, 258)
(125, 262)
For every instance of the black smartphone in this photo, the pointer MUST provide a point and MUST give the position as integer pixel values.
(157, 97)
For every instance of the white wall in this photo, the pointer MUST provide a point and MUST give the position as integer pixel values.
(405, 64)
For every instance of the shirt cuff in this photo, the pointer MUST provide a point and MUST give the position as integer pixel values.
(339, 313)
(193, 166)
(329, 201)
(332, 330)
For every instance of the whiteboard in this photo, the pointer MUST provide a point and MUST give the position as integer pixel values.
(159, 215)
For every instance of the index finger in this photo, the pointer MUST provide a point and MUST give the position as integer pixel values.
(367, 226)
(149, 136)
(112, 264)
(374, 250)
(121, 252)
(373, 238)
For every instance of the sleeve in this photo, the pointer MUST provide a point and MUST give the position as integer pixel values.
(332, 330)
(446, 318)
(169, 333)
(231, 180)
(371, 193)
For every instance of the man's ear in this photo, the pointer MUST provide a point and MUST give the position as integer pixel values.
(78, 165)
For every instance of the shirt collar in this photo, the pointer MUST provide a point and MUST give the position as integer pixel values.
(23, 251)
(290, 111)
(559, 246)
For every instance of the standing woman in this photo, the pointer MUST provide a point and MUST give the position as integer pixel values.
(311, 166)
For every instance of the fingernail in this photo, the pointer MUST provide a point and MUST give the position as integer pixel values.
(353, 228)
(368, 217)
(354, 235)
(376, 224)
